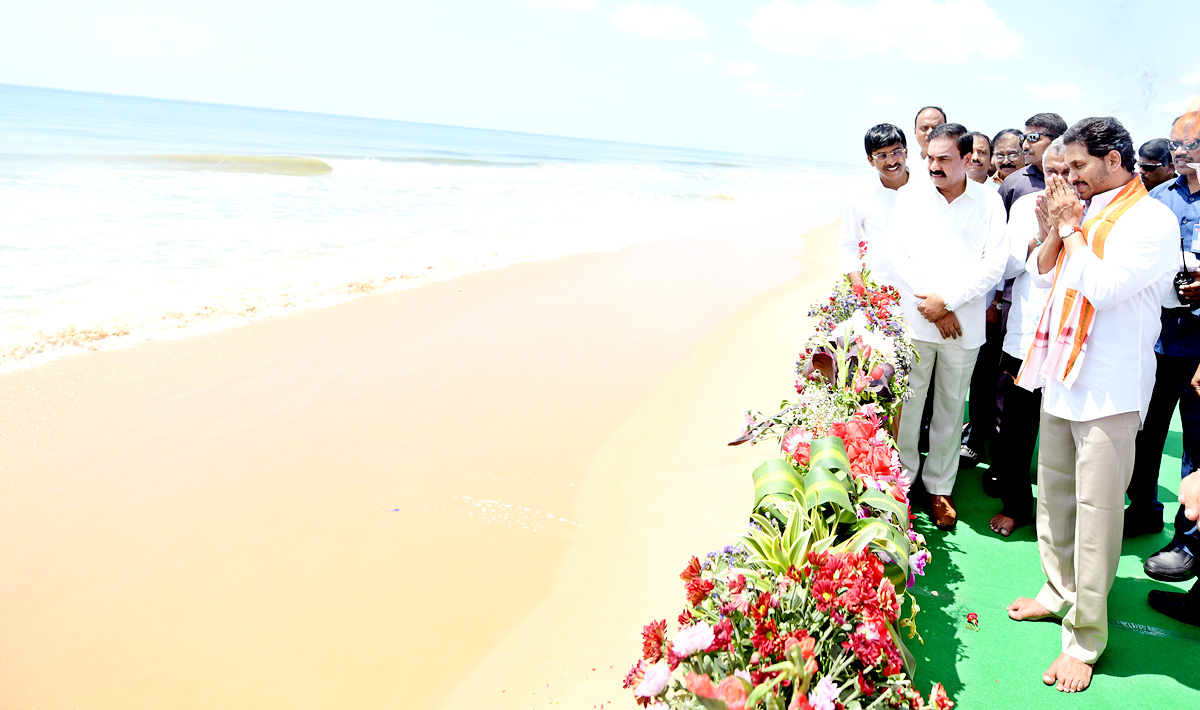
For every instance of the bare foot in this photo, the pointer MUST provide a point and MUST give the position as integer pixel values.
(1003, 524)
(1024, 609)
(1070, 675)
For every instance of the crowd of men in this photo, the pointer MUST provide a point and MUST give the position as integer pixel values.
(1053, 274)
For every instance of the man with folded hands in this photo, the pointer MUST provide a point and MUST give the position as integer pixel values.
(1109, 266)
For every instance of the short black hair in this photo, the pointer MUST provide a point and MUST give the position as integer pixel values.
(983, 136)
(926, 108)
(1006, 132)
(959, 133)
(881, 136)
(1052, 122)
(1156, 149)
(1100, 135)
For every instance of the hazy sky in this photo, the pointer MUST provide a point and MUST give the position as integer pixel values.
(783, 77)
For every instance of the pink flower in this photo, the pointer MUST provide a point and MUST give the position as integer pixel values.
(824, 695)
(793, 437)
(700, 684)
(693, 639)
(733, 691)
(658, 677)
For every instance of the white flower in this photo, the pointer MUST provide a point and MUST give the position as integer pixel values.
(693, 639)
(856, 324)
(656, 680)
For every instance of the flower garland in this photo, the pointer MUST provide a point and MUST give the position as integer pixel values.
(804, 612)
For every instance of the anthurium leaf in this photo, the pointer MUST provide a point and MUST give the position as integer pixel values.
(712, 703)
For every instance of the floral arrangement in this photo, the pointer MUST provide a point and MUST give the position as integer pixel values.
(804, 612)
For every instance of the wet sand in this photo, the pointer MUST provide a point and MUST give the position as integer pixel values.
(471, 494)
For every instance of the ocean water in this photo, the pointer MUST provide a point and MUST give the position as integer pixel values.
(126, 218)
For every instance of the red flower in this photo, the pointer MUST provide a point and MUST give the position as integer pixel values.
(692, 571)
(865, 686)
(685, 618)
(697, 590)
(800, 702)
(653, 636)
(635, 675)
(722, 635)
(939, 699)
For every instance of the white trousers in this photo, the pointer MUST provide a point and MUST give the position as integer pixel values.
(955, 365)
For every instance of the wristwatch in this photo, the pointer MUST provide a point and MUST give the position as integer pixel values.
(1068, 229)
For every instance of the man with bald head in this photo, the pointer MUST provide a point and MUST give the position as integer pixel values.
(927, 119)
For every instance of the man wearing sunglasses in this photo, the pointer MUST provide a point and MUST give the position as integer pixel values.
(1155, 164)
(1177, 354)
(865, 216)
(1040, 130)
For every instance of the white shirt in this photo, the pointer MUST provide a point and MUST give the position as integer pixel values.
(1028, 298)
(865, 218)
(1127, 288)
(918, 167)
(956, 250)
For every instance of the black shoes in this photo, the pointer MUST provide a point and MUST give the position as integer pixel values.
(1138, 522)
(967, 457)
(1173, 563)
(1181, 606)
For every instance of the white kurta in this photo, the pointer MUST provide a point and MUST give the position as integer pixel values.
(1028, 298)
(956, 250)
(1127, 287)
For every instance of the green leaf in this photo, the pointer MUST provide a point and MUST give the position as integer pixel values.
(763, 690)
(775, 477)
(882, 501)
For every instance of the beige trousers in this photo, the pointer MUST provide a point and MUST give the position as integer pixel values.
(955, 365)
(1083, 471)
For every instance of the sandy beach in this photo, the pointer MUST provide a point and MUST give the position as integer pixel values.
(470, 494)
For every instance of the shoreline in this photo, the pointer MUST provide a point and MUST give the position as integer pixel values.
(372, 501)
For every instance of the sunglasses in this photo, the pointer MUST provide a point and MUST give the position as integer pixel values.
(1191, 145)
(897, 153)
(1010, 156)
(1147, 167)
(1035, 137)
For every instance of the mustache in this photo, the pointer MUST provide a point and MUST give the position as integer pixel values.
(937, 173)
(1008, 165)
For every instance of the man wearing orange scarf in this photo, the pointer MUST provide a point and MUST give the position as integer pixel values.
(1110, 264)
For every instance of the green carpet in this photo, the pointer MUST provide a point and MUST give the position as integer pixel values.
(1151, 660)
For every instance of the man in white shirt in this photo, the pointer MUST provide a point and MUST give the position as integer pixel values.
(946, 252)
(865, 217)
(1110, 267)
(1012, 451)
(980, 169)
(928, 118)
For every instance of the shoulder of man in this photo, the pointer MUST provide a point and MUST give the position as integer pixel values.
(1163, 190)
(1157, 216)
